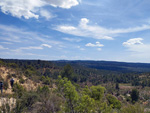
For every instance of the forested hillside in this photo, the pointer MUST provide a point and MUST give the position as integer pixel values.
(74, 86)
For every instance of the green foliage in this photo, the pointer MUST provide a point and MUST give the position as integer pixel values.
(13, 65)
(46, 80)
(68, 91)
(50, 102)
(134, 95)
(128, 98)
(2, 63)
(97, 92)
(19, 90)
(47, 73)
(60, 84)
(9, 76)
(21, 80)
(132, 109)
(25, 102)
(113, 101)
(71, 96)
(43, 91)
(69, 73)
(117, 86)
(86, 104)
(5, 84)
(103, 108)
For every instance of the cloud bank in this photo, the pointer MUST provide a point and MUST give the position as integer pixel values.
(85, 29)
(31, 8)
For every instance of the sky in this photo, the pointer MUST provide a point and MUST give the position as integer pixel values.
(111, 30)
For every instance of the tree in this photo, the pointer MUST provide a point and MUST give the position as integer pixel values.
(46, 80)
(117, 86)
(67, 71)
(134, 95)
(97, 92)
(71, 96)
(86, 104)
(68, 91)
(113, 101)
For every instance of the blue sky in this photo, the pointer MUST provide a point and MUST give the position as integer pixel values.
(112, 30)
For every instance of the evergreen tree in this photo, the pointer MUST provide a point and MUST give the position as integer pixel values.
(117, 86)
(134, 95)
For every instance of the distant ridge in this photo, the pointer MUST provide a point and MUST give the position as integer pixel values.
(117, 66)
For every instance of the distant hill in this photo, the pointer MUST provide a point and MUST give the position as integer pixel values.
(123, 67)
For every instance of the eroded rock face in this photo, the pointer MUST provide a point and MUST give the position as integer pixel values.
(6, 73)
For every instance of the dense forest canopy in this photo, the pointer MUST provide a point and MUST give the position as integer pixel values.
(82, 71)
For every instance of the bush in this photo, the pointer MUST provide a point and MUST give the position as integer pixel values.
(97, 92)
(45, 80)
(21, 80)
(134, 95)
(5, 84)
(113, 101)
(26, 101)
(132, 109)
(18, 89)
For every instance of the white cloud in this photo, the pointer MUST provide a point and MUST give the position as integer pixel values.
(46, 14)
(46, 45)
(30, 8)
(63, 3)
(98, 32)
(136, 45)
(2, 48)
(20, 50)
(137, 49)
(72, 39)
(98, 44)
(133, 41)
(67, 28)
(83, 23)
(36, 47)
(21, 8)
(31, 47)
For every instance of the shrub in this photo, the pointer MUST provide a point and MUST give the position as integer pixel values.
(132, 109)
(134, 95)
(18, 89)
(5, 85)
(21, 80)
(113, 101)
